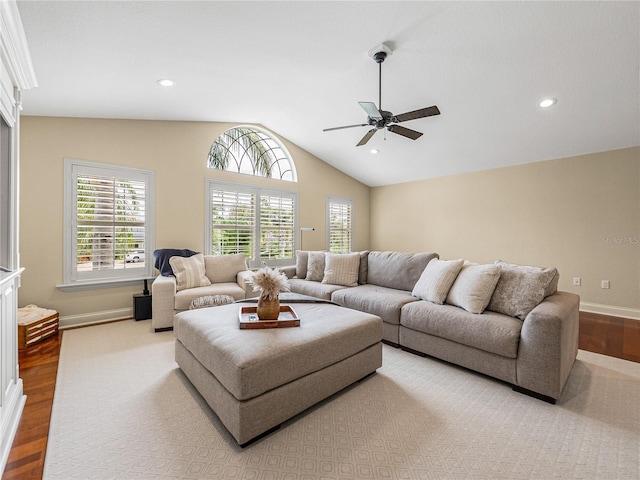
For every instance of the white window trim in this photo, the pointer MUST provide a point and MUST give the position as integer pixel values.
(258, 190)
(342, 200)
(110, 278)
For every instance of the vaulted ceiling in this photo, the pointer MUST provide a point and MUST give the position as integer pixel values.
(299, 67)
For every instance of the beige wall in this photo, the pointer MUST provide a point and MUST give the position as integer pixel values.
(177, 152)
(579, 214)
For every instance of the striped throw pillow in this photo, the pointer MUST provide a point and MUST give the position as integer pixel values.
(189, 272)
(342, 269)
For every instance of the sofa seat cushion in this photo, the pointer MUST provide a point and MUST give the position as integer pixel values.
(381, 301)
(183, 298)
(492, 332)
(313, 289)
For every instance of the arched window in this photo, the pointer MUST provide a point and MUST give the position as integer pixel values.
(248, 150)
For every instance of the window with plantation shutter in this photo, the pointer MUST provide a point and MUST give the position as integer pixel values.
(256, 221)
(340, 224)
(108, 223)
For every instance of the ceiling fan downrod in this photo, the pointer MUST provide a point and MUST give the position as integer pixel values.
(379, 57)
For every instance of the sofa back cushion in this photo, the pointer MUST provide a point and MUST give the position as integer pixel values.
(397, 270)
(224, 268)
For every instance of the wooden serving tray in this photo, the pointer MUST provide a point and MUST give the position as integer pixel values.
(287, 318)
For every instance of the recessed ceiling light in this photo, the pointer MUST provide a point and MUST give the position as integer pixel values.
(165, 82)
(547, 102)
(374, 150)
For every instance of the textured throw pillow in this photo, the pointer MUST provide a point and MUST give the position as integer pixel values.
(520, 289)
(224, 268)
(210, 301)
(342, 269)
(315, 267)
(189, 271)
(436, 280)
(473, 287)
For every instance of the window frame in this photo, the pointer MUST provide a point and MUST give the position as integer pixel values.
(332, 199)
(258, 190)
(74, 280)
(266, 138)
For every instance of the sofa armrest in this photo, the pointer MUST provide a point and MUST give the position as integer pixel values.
(163, 291)
(243, 278)
(549, 345)
(289, 271)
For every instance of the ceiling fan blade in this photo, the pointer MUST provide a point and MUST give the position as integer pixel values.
(367, 137)
(371, 110)
(346, 126)
(405, 132)
(423, 112)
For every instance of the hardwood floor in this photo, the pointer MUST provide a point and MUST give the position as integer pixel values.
(613, 336)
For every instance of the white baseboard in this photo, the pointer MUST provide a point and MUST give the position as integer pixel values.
(610, 310)
(94, 318)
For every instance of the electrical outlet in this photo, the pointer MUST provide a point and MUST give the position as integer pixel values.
(577, 281)
(605, 284)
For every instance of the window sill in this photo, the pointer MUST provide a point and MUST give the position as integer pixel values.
(99, 284)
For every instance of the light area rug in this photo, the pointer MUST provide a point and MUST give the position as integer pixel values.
(124, 410)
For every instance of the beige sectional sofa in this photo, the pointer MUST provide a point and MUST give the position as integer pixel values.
(503, 320)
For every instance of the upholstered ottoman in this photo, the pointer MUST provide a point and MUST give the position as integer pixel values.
(256, 379)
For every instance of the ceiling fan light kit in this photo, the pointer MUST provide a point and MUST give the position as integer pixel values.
(380, 119)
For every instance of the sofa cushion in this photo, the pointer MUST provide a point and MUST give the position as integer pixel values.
(520, 288)
(224, 268)
(436, 280)
(473, 287)
(381, 301)
(302, 259)
(315, 266)
(183, 298)
(341, 269)
(492, 332)
(364, 267)
(161, 257)
(397, 270)
(189, 271)
(313, 289)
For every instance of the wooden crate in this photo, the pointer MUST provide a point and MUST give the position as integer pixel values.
(32, 331)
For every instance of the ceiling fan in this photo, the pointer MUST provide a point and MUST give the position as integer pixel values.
(378, 118)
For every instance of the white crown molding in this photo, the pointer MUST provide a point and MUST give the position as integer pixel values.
(14, 46)
(614, 311)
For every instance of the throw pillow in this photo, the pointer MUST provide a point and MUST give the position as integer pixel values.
(363, 272)
(189, 272)
(436, 280)
(210, 301)
(302, 259)
(342, 269)
(520, 289)
(473, 287)
(315, 267)
(224, 268)
(162, 256)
